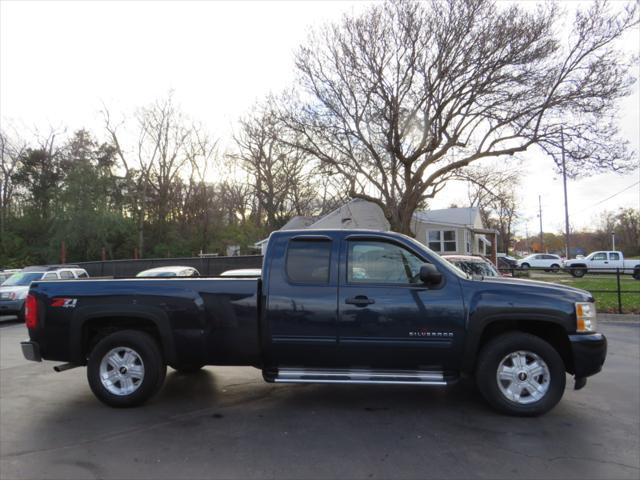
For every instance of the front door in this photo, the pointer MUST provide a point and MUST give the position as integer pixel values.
(387, 317)
(600, 262)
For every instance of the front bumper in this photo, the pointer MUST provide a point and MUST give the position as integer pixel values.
(589, 353)
(11, 307)
(31, 351)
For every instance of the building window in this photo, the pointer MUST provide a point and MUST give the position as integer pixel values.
(442, 240)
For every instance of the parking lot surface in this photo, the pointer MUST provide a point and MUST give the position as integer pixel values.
(228, 423)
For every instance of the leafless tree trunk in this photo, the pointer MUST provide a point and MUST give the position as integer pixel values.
(400, 98)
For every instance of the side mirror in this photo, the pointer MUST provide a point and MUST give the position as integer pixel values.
(430, 275)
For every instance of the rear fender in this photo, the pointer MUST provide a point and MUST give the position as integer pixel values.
(84, 316)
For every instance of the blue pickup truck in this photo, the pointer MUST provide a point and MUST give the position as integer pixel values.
(331, 306)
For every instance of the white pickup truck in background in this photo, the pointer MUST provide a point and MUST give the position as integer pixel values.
(603, 262)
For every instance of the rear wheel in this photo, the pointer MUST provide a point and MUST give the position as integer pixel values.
(520, 374)
(636, 274)
(126, 368)
(555, 268)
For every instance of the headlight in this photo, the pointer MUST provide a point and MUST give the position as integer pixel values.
(586, 317)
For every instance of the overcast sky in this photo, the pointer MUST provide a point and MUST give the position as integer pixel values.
(59, 61)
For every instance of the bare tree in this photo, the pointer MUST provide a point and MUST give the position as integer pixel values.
(494, 191)
(11, 149)
(167, 141)
(279, 170)
(398, 99)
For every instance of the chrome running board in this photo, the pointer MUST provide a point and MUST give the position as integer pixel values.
(362, 376)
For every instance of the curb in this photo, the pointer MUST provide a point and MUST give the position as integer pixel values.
(619, 318)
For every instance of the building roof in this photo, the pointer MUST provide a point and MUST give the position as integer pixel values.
(356, 214)
(298, 222)
(451, 216)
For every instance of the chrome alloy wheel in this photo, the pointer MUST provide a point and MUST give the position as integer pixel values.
(523, 377)
(121, 371)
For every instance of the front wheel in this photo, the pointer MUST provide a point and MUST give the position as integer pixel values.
(520, 374)
(525, 266)
(578, 272)
(126, 368)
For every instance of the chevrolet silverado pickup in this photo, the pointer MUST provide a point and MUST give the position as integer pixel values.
(330, 306)
(603, 262)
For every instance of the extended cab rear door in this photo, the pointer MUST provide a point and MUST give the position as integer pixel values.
(301, 300)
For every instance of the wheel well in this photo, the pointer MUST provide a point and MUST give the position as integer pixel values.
(578, 265)
(553, 333)
(96, 329)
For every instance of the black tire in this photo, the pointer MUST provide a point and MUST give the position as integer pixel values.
(188, 368)
(525, 266)
(578, 272)
(492, 355)
(555, 268)
(636, 274)
(149, 353)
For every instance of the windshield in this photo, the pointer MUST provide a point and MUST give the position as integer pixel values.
(22, 279)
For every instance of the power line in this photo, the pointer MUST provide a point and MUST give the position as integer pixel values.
(608, 198)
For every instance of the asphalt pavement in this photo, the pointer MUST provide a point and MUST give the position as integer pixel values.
(227, 423)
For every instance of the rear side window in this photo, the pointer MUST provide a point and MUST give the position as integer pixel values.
(308, 261)
(66, 274)
(614, 256)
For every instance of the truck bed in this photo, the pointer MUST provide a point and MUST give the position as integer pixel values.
(198, 321)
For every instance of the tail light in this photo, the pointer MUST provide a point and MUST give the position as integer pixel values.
(31, 312)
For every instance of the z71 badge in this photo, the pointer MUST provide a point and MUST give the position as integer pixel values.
(64, 302)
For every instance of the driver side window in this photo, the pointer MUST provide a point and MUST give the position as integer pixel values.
(381, 262)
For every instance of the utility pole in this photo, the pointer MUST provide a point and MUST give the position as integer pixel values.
(613, 241)
(566, 201)
(540, 215)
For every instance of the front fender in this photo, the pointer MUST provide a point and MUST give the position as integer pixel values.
(489, 308)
